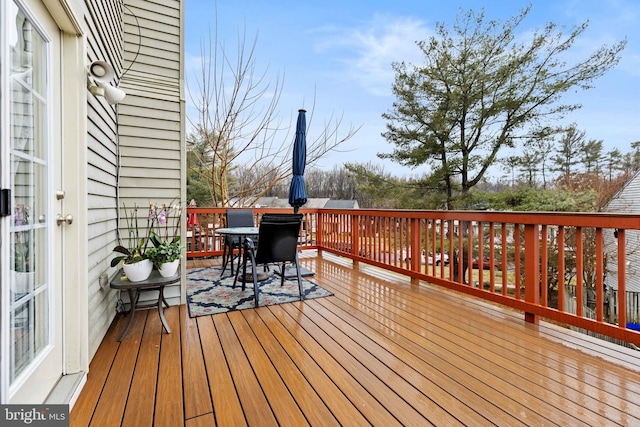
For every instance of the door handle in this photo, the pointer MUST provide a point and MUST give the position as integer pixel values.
(60, 219)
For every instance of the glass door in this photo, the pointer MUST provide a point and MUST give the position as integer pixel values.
(31, 329)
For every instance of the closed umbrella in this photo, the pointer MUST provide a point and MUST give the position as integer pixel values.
(297, 190)
(192, 219)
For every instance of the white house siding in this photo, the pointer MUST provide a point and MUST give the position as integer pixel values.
(143, 135)
(103, 20)
(627, 200)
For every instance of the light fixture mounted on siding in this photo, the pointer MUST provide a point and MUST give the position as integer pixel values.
(99, 74)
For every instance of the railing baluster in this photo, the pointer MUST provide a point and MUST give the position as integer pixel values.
(622, 279)
(599, 275)
(544, 256)
(415, 247)
(561, 284)
(492, 257)
(531, 269)
(505, 269)
(480, 256)
(579, 273)
(517, 253)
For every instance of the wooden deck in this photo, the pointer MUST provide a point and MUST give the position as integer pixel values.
(379, 352)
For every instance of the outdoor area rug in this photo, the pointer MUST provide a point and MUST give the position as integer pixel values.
(208, 293)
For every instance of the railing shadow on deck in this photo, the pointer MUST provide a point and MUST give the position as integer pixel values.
(570, 268)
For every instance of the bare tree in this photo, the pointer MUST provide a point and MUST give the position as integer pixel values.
(237, 118)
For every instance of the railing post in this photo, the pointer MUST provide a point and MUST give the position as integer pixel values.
(531, 269)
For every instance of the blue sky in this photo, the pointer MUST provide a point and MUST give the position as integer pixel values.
(342, 51)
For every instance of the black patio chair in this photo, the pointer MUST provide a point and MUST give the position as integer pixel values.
(286, 217)
(282, 217)
(235, 218)
(278, 243)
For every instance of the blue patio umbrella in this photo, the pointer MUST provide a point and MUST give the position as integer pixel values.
(297, 190)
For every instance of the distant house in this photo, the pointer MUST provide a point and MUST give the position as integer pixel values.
(316, 203)
(273, 202)
(627, 200)
(341, 204)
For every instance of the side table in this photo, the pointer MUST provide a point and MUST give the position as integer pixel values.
(155, 282)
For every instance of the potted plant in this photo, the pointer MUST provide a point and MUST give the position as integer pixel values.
(165, 254)
(136, 264)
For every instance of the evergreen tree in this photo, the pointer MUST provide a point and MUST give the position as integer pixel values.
(613, 163)
(568, 153)
(592, 156)
(482, 88)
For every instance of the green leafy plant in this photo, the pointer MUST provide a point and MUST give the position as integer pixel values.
(129, 256)
(137, 244)
(166, 218)
(164, 251)
(166, 240)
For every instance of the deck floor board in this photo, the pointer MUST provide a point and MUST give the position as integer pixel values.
(381, 351)
(503, 378)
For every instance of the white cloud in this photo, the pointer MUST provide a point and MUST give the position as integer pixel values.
(367, 51)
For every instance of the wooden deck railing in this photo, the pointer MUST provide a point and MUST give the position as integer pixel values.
(554, 265)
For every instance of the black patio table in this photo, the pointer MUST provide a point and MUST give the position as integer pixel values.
(242, 233)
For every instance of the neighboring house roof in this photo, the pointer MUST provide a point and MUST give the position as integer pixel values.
(264, 202)
(316, 203)
(627, 198)
(272, 202)
(342, 204)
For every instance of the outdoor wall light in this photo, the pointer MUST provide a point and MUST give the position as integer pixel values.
(99, 74)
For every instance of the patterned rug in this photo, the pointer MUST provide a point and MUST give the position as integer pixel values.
(208, 293)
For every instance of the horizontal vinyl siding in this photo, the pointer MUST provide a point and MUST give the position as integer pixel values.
(151, 117)
(149, 125)
(153, 87)
(155, 173)
(158, 113)
(104, 43)
(158, 53)
(133, 149)
(157, 195)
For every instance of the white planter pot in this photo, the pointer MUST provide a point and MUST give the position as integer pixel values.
(169, 269)
(138, 271)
